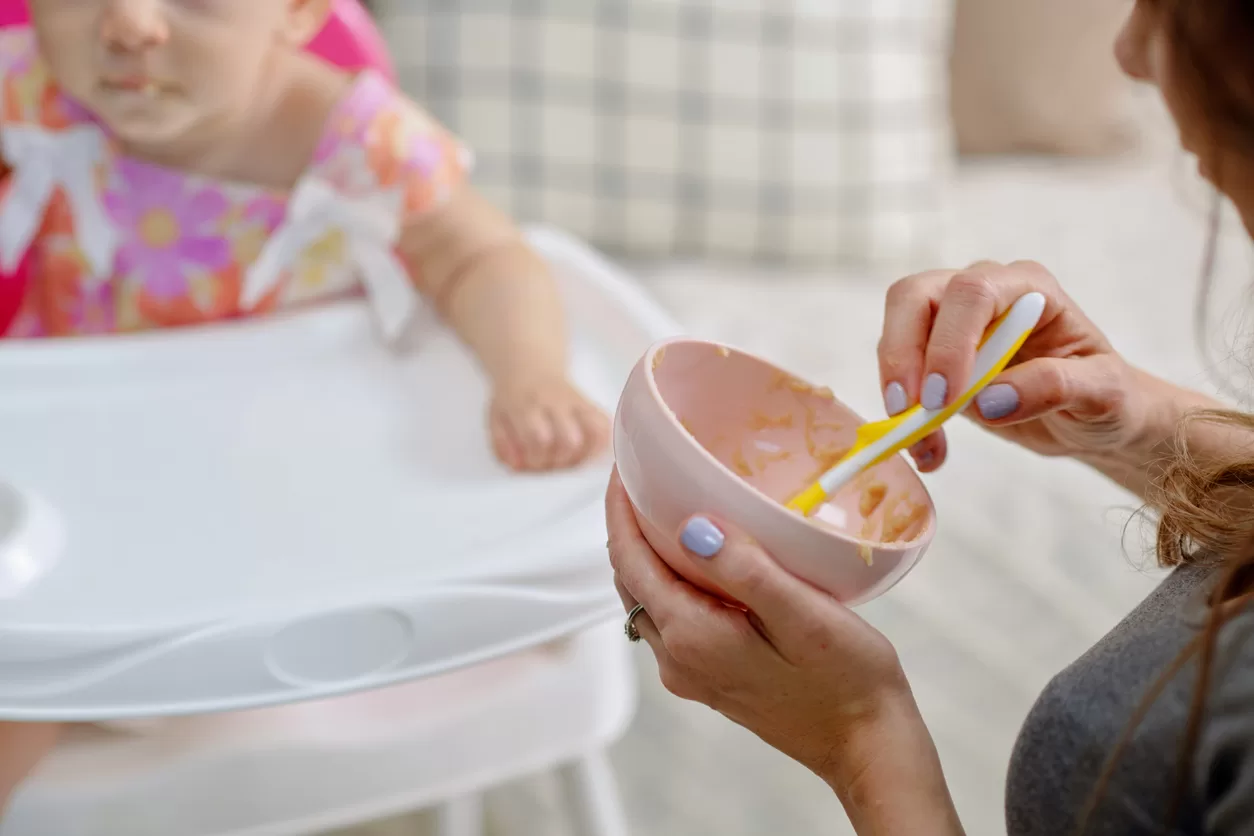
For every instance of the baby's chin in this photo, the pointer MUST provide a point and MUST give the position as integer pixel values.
(147, 131)
(136, 119)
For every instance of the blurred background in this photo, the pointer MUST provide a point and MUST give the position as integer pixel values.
(767, 169)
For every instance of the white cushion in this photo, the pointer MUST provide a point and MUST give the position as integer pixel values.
(811, 132)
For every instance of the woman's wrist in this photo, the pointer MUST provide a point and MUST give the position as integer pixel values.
(1156, 409)
(1162, 406)
(888, 776)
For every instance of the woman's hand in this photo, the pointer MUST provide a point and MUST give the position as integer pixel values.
(1066, 393)
(798, 669)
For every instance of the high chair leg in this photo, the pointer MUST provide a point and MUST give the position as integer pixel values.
(596, 808)
(461, 816)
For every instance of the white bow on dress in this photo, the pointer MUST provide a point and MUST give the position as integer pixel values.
(371, 227)
(42, 160)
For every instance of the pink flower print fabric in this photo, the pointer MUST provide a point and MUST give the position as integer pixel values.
(172, 229)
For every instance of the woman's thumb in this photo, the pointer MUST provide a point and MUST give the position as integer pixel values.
(744, 571)
(1084, 385)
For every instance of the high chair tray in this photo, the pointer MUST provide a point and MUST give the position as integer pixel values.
(283, 509)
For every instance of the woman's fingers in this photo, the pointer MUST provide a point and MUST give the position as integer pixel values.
(644, 576)
(908, 312)
(681, 681)
(643, 622)
(791, 618)
(934, 322)
(689, 632)
(789, 613)
(930, 453)
(972, 300)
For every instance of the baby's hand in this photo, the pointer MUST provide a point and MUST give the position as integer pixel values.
(545, 424)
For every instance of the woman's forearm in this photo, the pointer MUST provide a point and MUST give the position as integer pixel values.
(889, 779)
(1165, 405)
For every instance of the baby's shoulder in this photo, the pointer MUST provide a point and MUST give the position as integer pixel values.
(28, 92)
(18, 48)
(377, 134)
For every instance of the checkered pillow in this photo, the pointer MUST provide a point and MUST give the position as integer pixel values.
(803, 131)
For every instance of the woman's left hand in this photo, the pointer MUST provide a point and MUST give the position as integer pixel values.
(795, 667)
(800, 670)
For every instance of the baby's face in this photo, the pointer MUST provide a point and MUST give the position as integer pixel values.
(154, 70)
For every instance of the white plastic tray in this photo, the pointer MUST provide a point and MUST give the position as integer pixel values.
(282, 509)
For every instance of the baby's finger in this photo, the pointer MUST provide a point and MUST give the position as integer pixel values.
(504, 444)
(535, 431)
(596, 429)
(568, 437)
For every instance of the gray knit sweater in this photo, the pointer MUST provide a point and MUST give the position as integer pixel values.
(1078, 719)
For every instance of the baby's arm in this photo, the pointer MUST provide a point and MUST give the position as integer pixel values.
(497, 294)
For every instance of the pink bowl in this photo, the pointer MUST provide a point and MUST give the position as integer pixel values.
(704, 429)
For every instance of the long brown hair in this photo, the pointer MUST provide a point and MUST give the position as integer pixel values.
(1205, 505)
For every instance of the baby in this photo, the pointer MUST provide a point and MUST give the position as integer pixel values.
(176, 162)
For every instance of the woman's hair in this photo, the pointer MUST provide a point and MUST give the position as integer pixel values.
(1205, 506)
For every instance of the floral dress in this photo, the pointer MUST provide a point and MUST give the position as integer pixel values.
(115, 244)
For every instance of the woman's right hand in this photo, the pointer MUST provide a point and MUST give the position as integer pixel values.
(1066, 393)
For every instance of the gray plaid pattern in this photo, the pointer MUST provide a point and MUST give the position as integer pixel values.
(800, 131)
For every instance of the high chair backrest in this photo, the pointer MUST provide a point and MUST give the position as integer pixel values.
(349, 40)
(352, 41)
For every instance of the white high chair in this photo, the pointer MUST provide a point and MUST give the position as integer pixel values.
(279, 513)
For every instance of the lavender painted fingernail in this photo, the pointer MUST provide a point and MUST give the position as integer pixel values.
(934, 390)
(997, 401)
(702, 537)
(894, 398)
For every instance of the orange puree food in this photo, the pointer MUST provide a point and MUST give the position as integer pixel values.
(871, 499)
(904, 515)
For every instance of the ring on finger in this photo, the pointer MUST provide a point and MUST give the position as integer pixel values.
(633, 635)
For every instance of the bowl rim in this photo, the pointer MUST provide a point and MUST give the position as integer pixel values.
(922, 539)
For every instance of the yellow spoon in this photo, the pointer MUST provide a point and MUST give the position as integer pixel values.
(881, 440)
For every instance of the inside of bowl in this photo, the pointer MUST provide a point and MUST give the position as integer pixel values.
(779, 434)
